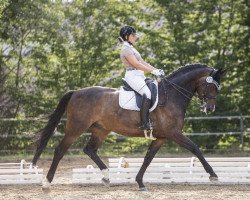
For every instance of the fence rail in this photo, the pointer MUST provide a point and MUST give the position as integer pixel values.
(242, 129)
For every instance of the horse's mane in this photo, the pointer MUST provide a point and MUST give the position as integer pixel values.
(186, 68)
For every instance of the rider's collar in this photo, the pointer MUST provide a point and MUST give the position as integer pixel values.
(126, 43)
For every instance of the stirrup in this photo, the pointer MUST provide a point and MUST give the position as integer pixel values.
(150, 137)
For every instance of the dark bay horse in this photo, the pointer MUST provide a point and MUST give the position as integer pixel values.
(96, 110)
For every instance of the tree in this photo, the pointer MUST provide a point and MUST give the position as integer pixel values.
(49, 47)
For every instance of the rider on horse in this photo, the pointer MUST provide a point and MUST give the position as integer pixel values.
(135, 67)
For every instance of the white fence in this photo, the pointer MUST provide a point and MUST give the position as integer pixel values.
(169, 170)
(20, 173)
(232, 170)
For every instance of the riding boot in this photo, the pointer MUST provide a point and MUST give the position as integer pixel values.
(144, 113)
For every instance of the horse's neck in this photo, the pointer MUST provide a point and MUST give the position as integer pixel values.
(184, 87)
(189, 79)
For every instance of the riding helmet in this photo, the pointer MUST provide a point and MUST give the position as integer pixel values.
(126, 31)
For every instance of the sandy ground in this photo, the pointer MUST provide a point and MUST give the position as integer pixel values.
(62, 188)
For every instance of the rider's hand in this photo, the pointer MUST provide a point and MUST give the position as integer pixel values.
(162, 72)
(158, 72)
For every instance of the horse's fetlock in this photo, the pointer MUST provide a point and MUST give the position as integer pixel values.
(138, 179)
(105, 173)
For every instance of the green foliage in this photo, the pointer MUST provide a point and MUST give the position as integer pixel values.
(50, 47)
(3, 5)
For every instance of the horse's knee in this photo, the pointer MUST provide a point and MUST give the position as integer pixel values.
(58, 151)
(86, 150)
(89, 151)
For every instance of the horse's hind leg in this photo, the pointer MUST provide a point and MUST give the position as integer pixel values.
(154, 147)
(60, 150)
(72, 132)
(98, 136)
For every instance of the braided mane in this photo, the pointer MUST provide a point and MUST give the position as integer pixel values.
(186, 68)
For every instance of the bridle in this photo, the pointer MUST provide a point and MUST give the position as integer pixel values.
(204, 97)
(209, 80)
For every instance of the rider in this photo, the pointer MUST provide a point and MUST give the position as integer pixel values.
(135, 67)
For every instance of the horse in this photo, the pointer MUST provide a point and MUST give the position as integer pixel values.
(96, 110)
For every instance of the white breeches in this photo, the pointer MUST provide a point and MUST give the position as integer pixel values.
(136, 80)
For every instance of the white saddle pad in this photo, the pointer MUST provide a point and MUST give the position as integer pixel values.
(127, 99)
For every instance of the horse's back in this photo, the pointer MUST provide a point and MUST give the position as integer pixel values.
(93, 93)
(92, 99)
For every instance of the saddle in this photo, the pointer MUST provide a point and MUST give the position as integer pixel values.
(152, 87)
(131, 100)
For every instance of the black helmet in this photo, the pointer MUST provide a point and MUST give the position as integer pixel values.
(126, 31)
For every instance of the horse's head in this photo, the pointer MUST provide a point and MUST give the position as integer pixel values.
(208, 88)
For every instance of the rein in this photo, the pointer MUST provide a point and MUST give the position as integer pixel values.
(183, 91)
(178, 88)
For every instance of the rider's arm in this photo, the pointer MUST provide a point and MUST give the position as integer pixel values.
(147, 64)
(139, 65)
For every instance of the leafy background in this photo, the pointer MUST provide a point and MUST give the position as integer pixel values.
(48, 47)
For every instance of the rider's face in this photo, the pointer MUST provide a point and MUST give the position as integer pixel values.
(132, 38)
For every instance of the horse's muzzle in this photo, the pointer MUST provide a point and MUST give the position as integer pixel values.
(205, 107)
(210, 108)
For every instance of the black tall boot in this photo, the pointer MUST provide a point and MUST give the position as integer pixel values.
(144, 113)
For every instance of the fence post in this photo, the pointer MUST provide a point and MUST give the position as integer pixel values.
(241, 130)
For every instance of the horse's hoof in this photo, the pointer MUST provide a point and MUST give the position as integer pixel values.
(143, 189)
(106, 181)
(45, 190)
(46, 184)
(213, 178)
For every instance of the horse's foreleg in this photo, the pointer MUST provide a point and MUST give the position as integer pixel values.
(153, 148)
(189, 145)
(96, 140)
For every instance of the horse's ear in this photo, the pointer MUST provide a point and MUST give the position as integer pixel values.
(221, 72)
(218, 74)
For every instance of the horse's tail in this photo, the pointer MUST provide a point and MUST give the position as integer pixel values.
(49, 129)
